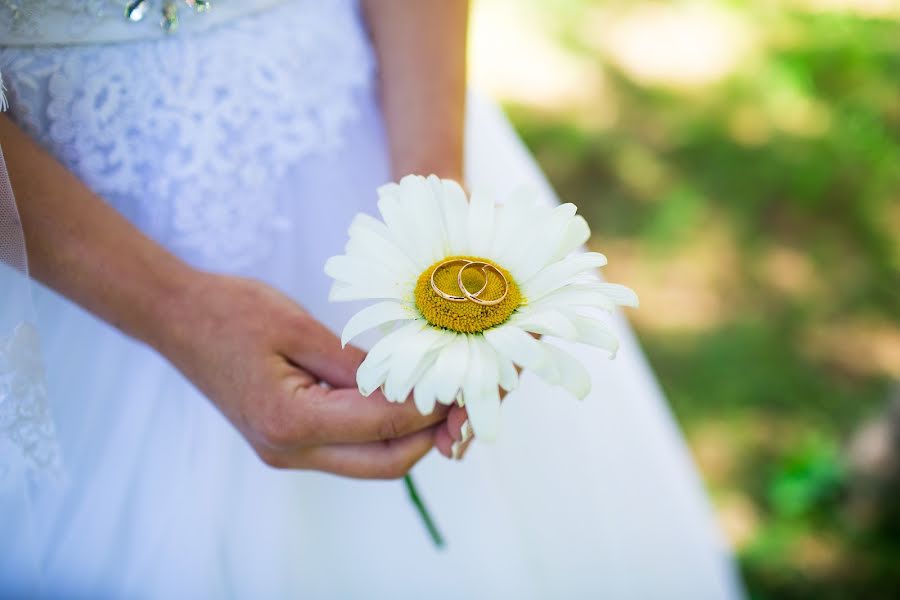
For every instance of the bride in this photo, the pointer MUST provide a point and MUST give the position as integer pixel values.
(181, 176)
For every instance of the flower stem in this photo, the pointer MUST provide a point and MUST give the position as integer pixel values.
(423, 512)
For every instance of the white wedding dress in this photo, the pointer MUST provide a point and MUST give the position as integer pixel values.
(246, 146)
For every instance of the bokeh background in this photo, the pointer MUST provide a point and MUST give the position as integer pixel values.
(739, 163)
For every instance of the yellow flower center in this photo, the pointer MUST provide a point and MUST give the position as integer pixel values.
(481, 282)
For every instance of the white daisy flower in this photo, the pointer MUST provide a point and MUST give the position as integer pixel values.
(463, 285)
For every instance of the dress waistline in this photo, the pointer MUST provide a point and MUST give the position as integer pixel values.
(49, 23)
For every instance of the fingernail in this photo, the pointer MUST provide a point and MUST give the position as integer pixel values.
(465, 431)
(455, 450)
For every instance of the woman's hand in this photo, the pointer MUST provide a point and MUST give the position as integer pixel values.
(283, 381)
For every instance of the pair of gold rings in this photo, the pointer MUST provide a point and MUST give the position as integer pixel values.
(468, 296)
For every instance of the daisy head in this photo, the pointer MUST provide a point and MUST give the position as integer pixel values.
(464, 288)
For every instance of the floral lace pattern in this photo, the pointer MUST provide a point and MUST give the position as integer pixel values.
(25, 423)
(191, 136)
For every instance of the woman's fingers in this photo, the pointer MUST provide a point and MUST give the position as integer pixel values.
(457, 418)
(443, 442)
(315, 415)
(389, 459)
(316, 349)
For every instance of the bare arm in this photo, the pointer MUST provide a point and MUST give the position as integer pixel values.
(254, 353)
(421, 50)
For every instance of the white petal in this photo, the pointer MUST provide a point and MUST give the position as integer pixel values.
(508, 376)
(480, 224)
(555, 223)
(370, 238)
(514, 222)
(576, 235)
(481, 389)
(456, 211)
(375, 315)
(512, 342)
(397, 389)
(374, 368)
(576, 294)
(410, 360)
(422, 207)
(619, 294)
(403, 228)
(546, 322)
(547, 369)
(593, 332)
(450, 367)
(560, 273)
(572, 374)
(425, 391)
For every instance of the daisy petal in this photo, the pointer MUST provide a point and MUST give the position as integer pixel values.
(425, 391)
(547, 369)
(373, 370)
(515, 221)
(595, 333)
(409, 361)
(481, 389)
(428, 224)
(619, 294)
(572, 374)
(456, 209)
(576, 235)
(553, 229)
(512, 341)
(547, 322)
(560, 273)
(373, 316)
(508, 376)
(576, 294)
(403, 228)
(451, 363)
(369, 238)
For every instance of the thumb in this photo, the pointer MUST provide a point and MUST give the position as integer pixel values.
(314, 348)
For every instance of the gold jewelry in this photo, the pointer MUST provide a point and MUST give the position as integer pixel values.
(467, 295)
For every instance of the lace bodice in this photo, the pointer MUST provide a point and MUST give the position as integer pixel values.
(190, 135)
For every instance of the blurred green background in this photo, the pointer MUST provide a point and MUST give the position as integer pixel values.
(739, 163)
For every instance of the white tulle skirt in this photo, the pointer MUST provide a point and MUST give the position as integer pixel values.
(163, 499)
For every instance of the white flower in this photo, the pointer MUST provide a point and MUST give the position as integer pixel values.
(520, 277)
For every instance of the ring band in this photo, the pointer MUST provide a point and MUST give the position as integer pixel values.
(467, 295)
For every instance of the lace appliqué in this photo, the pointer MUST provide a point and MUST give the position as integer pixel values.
(26, 428)
(193, 136)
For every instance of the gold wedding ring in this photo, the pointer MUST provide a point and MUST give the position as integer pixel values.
(468, 296)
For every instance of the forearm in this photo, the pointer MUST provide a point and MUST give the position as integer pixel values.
(84, 249)
(421, 50)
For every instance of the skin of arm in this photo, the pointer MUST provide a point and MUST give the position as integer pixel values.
(421, 51)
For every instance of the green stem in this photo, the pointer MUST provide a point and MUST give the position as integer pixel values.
(423, 512)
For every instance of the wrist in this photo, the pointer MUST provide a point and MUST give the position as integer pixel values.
(446, 161)
(173, 296)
